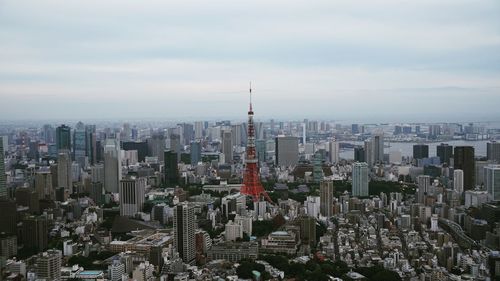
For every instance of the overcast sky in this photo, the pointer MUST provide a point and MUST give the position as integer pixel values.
(357, 60)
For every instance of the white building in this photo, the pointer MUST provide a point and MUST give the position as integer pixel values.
(233, 231)
(334, 151)
(458, 181)
(492, 181)
(360, 179)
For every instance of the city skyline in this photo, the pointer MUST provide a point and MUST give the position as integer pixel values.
(343, 60)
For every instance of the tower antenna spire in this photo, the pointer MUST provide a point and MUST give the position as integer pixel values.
(250, 95)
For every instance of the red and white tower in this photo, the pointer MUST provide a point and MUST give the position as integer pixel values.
(251, 180)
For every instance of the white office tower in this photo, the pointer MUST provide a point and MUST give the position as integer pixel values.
(304, 133)
(184, 230)
(334, 151)
(492, 181)
(458, 181)
(434, 223)
(312, 205)
(64, 178)
(198, 130)
(143, 272)
(48, 265)
(423, 183)
(360, 179)
(326, 193)
(475, 198)
(227, 146)
(116, 270)
(131, 194)
(233, 231)
(112, 165)
(245, 222)
(260, 208)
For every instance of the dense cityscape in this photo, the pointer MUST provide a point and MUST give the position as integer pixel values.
(255, 200)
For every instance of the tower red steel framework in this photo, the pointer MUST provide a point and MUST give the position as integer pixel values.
(251, 180)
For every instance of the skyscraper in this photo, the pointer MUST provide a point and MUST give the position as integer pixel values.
(360, 179)
(63, 137)
(112, 165)
(198, 130)
(195, 152)
(64, 177)
(184, 228)
(326, 193)
(171, 168)
(423, 183)
(420, 151)
(260, 147)
(463, 159)
(132, 193)
(3, 178)
(378, 148)
(334, 151)
(493, 151)
(492, 181)
(444, 152)
(359, 154)
(35, 233)
(287, 151)
(227, 146)
(458, 181)
(156, 146)
(369, 155)
(80, 144)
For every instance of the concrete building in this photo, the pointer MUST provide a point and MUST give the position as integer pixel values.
(48, 265)
(227, 146)
(233, 231)
(184, 231)
(360, 179)
(334, 151)
(326, 193)
(287, 151)
(493, 151)
(112, 166)
(463, 159)
(64, 177)
(3, 177)
(458, 181)
(132, 192)
(492, 181)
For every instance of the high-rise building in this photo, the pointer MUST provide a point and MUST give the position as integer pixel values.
(423, 183)
(260, 148)
(287, 151)
(171, 168)
(64, 176)
(360, 179)
(493, 151)
(80, 144)
(116, 270)
(63, 137)
(233, 231)
(445, 152)
(492, 181)
(463, 159)
(334, 151)
(112, 165)
(359, 154)
(184, 231)
(420, 151)
(326, 193)
(227, 146)
(132, 192)
(3, 178)
(195, 152)
(198, 130)
(140, 147)
(378, 148)
(156, 146)
(48, 265)
(35, 233)
(354, 129)
(8, 216)
(308, 230)
(236, 133)
(43, 185)
(458, 181)
(369, 155)
(91, 143)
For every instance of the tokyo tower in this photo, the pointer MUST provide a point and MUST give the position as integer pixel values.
(251, 181)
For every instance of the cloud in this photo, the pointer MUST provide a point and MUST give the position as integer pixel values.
(182, 53)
